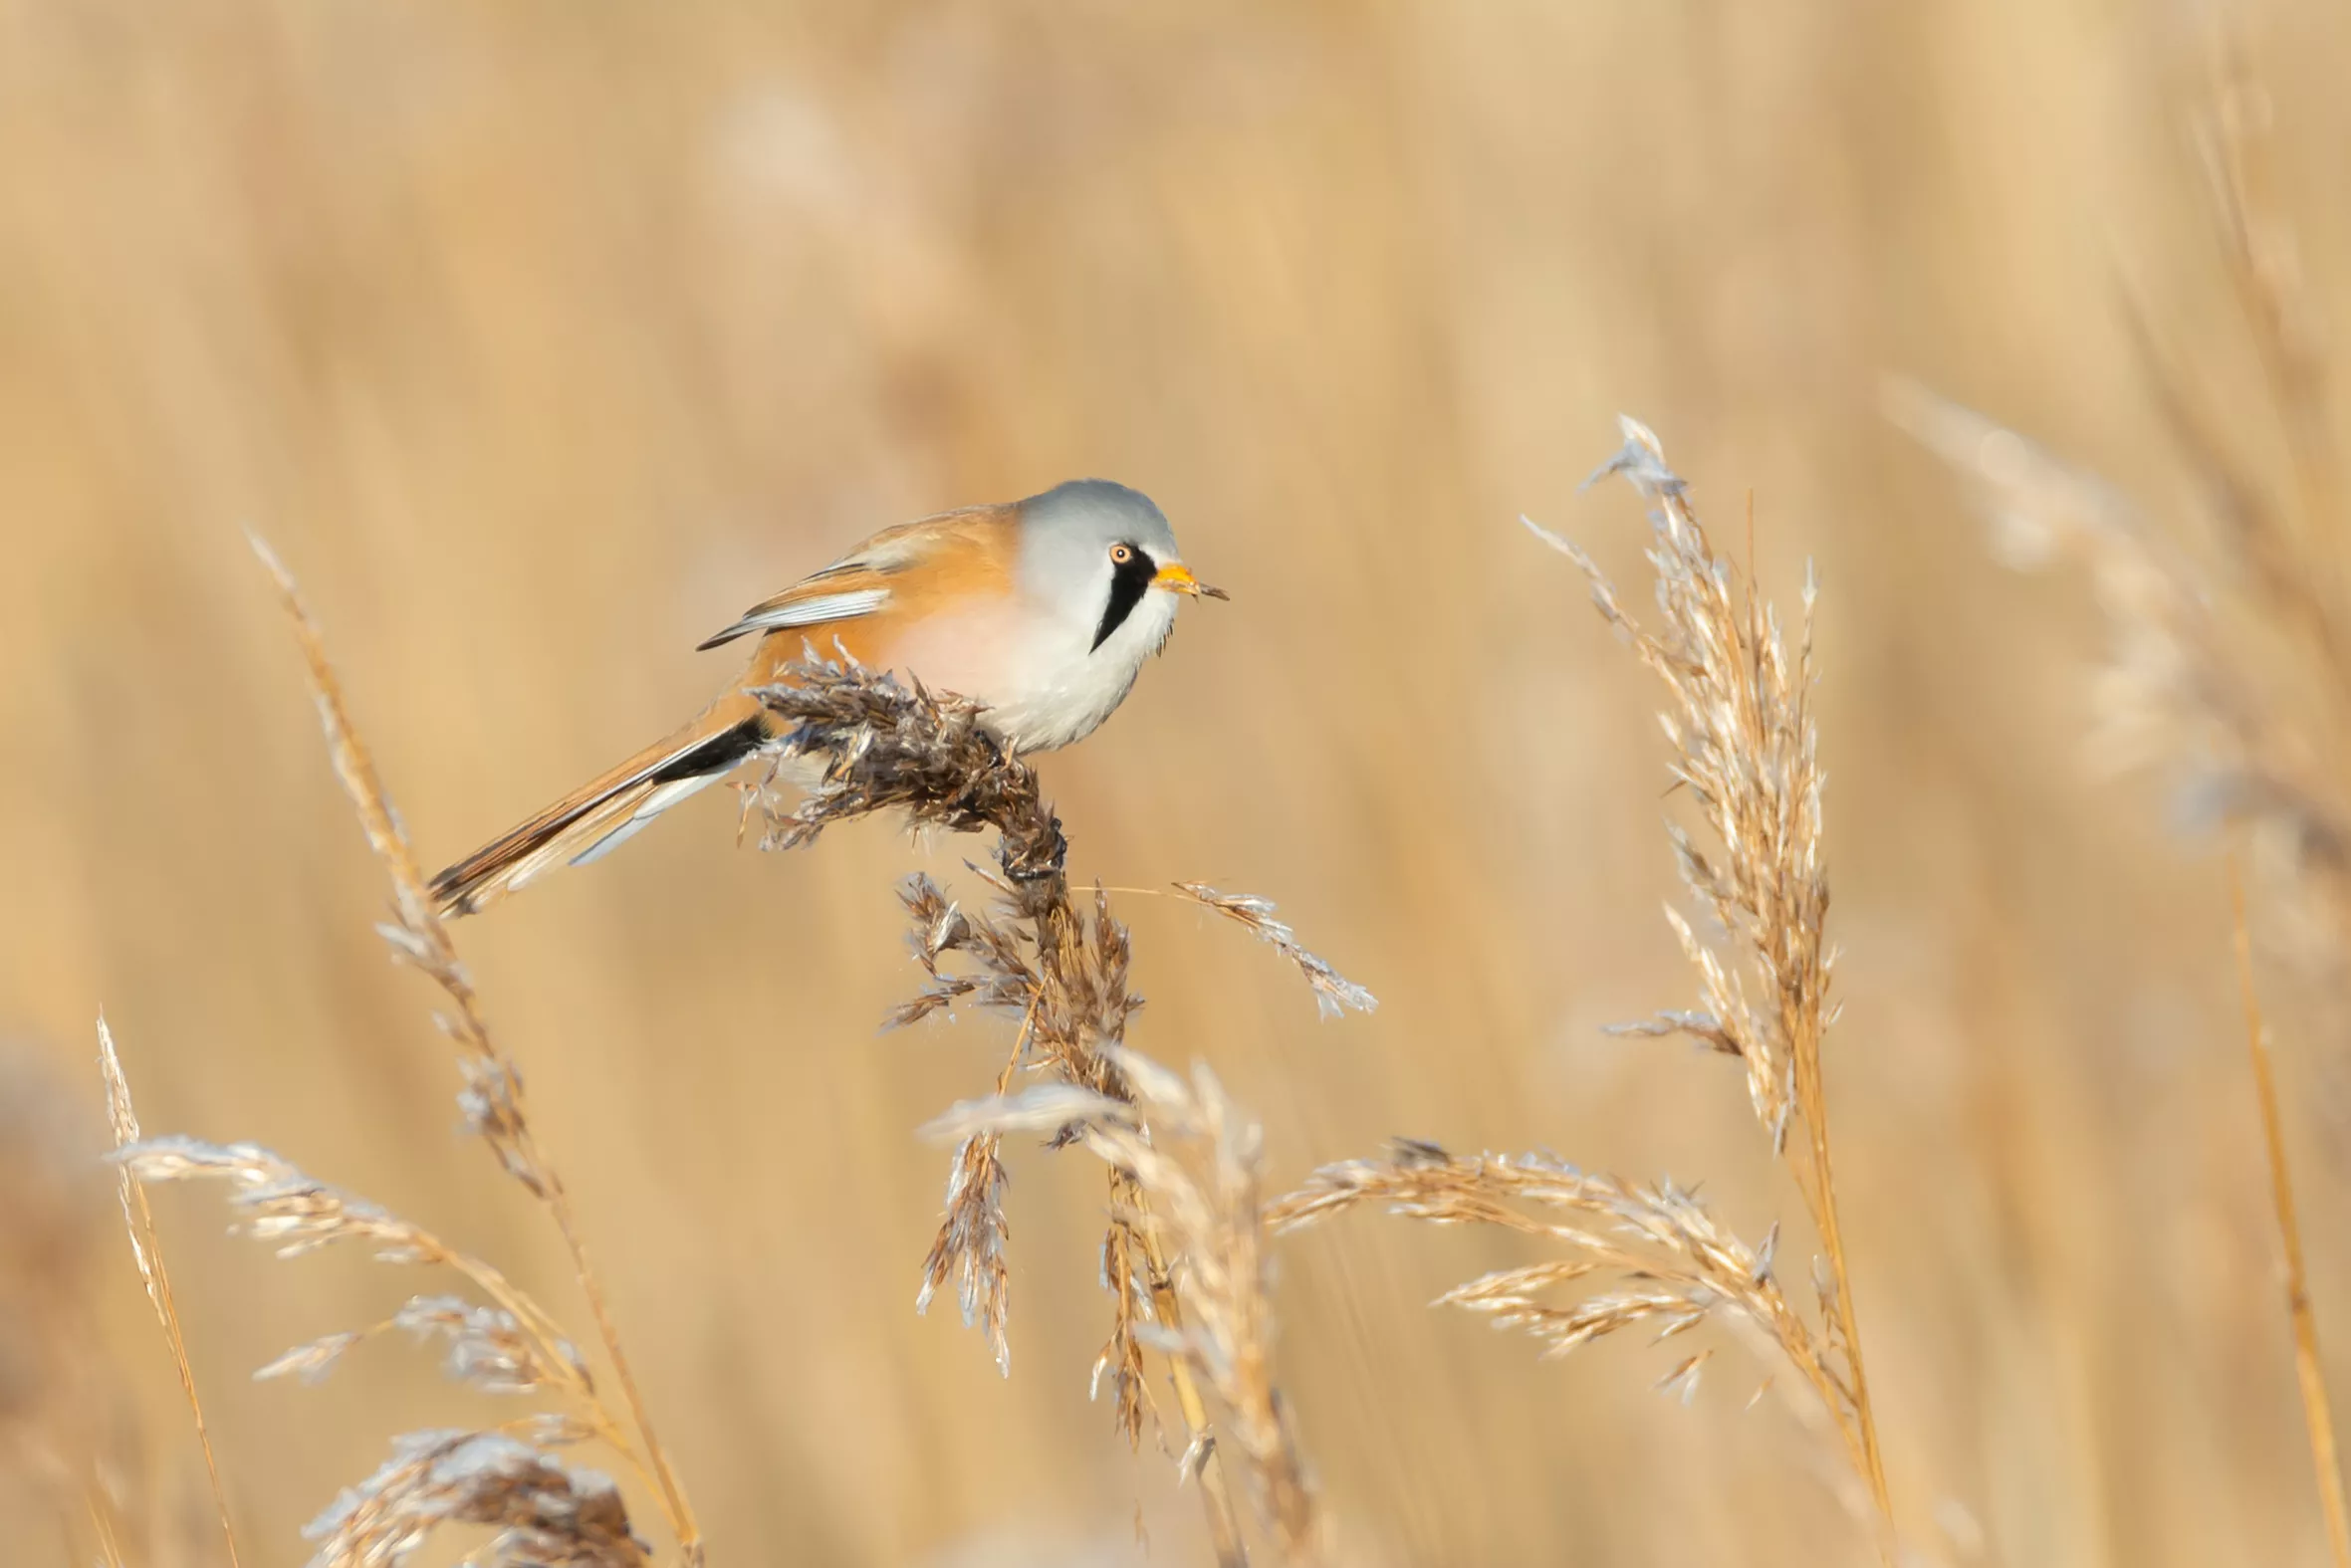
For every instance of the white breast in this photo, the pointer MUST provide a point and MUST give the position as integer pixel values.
(1061, 690)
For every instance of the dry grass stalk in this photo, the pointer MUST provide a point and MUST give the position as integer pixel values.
(513, 1347)
(1746, 750)
(1333, 992)
(147, 1251)
(69, 1434)
(1036, 954)
(1641, 1256)
(2317, 1414)
(2298, 554)
(511, 1344)
(1739, 719)
(1199, 1160)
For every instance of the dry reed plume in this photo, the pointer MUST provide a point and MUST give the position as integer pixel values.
(2195, 687)
(2226, 658)
(1740, 722)
(1200, 1161)
(1180, 1255)
(508, 1477)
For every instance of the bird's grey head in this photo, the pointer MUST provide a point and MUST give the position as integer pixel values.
(1095, 551)
(1094, 515)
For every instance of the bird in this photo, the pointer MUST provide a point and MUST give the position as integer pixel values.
(1042, 610)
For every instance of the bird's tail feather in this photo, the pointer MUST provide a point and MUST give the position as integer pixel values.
(594, 819)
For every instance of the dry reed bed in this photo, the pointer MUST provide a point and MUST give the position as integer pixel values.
(1968, 153)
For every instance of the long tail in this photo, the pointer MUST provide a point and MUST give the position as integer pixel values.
(593, 819)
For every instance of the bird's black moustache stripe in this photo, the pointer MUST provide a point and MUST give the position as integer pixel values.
(1131, 580)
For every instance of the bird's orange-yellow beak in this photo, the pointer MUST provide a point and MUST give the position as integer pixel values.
(1177, 577)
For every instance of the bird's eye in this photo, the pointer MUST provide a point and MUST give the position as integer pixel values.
(1120, 555)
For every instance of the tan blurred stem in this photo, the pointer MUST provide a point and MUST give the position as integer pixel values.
(110, 1549)
(681, 1514)
(2258, 250)
(416, 906)
(2316, 1412)
(147, 1250)
(1823, 1197)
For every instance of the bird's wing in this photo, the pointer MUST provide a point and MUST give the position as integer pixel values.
(921, 560)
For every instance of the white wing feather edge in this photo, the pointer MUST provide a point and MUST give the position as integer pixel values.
(811, 612)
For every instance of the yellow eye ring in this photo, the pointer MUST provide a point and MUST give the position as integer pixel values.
(1120, 555)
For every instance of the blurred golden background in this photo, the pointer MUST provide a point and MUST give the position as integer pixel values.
(540, 338)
